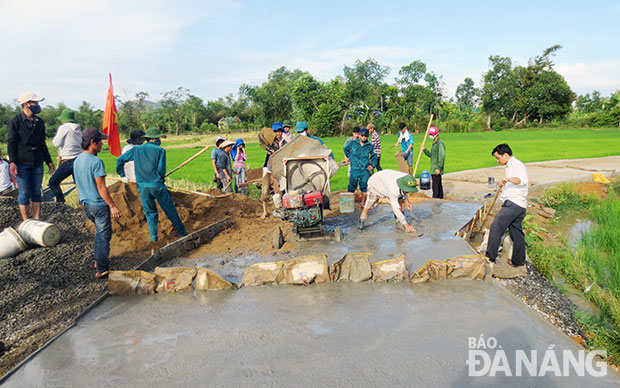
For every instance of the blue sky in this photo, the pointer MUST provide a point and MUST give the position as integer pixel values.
(64, 49)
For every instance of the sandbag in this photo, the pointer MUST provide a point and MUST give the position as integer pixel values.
(353, 267)
(393, 269)
(430, 271)
(131, 283)
(305, 270)
(174, 279)
(467, 267)
(208, 280)
(262, 273)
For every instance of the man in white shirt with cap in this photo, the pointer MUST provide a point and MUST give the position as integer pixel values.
(514, 205)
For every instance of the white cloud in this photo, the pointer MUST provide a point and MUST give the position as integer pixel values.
(45, 42)
(585, 78)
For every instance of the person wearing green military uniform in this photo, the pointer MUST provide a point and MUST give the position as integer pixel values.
(363, 159)
(438, 158)
(150, 166)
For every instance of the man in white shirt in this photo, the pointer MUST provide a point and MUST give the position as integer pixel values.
(393, 185)
(68, 139)
(514, 205)
(136, 138)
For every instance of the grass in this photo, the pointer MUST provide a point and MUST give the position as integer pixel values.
(464, 150)
(595, 266)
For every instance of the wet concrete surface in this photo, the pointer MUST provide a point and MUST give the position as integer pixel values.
(437, 220)
(365, 334)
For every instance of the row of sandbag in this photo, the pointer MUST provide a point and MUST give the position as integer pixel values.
(356, 267)
(353, 267)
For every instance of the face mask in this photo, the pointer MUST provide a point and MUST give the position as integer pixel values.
(432, 137)
(304, 133)
(363, 140)
(157, 142)
(35, 109)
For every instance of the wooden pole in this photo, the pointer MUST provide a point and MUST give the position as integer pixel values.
(423, 141)
(190, 159)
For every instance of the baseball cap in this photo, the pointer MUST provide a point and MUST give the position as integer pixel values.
(363, 132)
(28, 96)
(433, 131)
(92, 134)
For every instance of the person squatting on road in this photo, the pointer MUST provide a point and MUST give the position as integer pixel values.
(514, 205)
(27, 152)
(68, 139)
(136, 138)
(376, 142)
(93, 195)
(268, 180)
(214, 154)
(406, 145)
(393, 185)
(438, 158)
(224, 168)
(363, 159)
(150, 168)
(239, 157)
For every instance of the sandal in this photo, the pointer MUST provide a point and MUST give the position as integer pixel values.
(103, 274)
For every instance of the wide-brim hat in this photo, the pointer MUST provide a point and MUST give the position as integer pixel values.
(301, 126)
(227, 143)
(287, 123)
(153, 133)
(238, 143)
(136, 137)
(407, 184)
(277, 126)
(67, 116)
(29, 96)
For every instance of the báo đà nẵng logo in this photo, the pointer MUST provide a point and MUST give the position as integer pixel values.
(487, 358)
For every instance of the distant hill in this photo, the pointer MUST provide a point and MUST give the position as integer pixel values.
(152, 105)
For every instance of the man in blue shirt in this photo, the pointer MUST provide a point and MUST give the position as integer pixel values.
(150, 165)
(363, 159)
(93, 194)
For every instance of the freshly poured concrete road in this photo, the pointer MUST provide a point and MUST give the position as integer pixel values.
(364, 334)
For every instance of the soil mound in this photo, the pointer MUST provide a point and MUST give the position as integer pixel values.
(130, 232)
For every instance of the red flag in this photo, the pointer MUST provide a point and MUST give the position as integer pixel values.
(110, 123)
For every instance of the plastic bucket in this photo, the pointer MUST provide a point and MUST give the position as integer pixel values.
(346, 202)
(10, 243)
(41, 233)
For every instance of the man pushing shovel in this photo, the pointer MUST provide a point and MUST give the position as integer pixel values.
(150, 165)
(393, 185)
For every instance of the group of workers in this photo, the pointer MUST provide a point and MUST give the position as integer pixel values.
(146, 164)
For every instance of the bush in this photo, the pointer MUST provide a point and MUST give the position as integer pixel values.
(564, 196)
(4, 134)
(497, 127)
(208, 127)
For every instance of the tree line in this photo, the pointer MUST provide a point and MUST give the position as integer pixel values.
(509, 96)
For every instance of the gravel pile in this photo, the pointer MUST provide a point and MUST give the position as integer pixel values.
(44, 289)
(541, 295)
